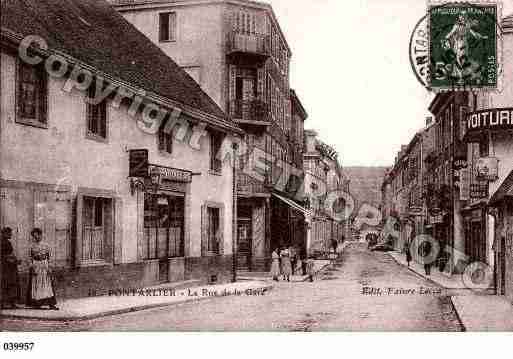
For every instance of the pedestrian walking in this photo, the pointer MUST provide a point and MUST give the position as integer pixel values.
(40, 290)
(275, 265)
(424, 252)
(293, 258)
(286, 265)
(10, 278)
(408, 254)
(310, 263)
(334, 245)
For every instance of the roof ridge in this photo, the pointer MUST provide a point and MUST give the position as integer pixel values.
(113, 46)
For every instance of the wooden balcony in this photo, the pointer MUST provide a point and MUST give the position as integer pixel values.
(247, 185)
(250, 46)
(253, 112)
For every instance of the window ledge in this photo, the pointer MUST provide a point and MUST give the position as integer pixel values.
(93, 137)
(31, 122)
(165, 153)
(167, 41)
(86, 264)
(215, 173)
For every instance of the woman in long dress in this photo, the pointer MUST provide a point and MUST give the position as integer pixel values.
(10, 278)
(40, 290)
(275, 265)
(286, 265)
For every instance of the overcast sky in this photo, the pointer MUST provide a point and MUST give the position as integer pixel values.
(351, 69)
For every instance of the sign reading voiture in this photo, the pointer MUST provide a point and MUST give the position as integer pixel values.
(172, 174)
(491, 119)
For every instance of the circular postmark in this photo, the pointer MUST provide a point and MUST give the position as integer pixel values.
(457, 46)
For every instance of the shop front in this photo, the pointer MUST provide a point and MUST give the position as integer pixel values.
(501, 205)
(475, 234)
(162, 243)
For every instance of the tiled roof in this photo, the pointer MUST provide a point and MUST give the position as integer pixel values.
(92, 32)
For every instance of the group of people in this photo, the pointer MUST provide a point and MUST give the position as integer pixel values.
(40, 292)
(424, 251)
(286, 261)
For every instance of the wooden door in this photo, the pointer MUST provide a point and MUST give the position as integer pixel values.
(16, 213)
(244, 243)
(52, 213)
(502, 266)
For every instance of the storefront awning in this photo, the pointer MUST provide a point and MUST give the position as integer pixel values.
(293, 204)
(505, 190)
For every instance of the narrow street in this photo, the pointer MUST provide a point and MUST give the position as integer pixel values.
(335, 302)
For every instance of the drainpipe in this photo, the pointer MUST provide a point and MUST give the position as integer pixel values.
(235, 146)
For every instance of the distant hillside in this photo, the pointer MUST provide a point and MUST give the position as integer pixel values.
(365, 184)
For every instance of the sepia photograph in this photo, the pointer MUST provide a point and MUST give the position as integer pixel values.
(244, 166)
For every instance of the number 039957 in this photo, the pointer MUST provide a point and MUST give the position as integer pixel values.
(13, 347)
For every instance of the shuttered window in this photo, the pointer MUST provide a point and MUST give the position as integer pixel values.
(165, 141)
(216, 141)
(167, 26)
(96, 117)
(32, 95)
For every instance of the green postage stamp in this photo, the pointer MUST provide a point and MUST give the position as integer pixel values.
(464, 45)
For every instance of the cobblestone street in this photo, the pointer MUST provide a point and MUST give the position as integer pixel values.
(334, 302)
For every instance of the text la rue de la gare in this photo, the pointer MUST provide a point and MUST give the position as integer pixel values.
(190, 292)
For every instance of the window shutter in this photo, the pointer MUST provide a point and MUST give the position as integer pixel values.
(102, 119)
(233, 76)
(169, 143)
(172, 26)
(221, 231)
(62, 213)
(78, 230)
(161, 141)
(204, 231)
(43, 96)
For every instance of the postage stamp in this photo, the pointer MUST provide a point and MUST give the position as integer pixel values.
(464, 45)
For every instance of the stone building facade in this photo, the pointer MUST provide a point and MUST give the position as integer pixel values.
(238, 54)
(323, 176)
(64, 163)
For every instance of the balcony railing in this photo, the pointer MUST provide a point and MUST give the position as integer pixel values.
(247, 184)
(254, 111)
(253, 44)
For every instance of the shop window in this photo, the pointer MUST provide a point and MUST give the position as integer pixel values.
(32, 95)
(96, 228)
(216, 141)
(168, 25)
(163, 227)
(96, 117)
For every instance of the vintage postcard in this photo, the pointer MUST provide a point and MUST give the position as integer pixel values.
(255, 166)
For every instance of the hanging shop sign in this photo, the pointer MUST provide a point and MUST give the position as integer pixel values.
(460, 163)
(415, 211)
(479, 190)
(491, 119)
(464, 184)
(171, 174)
(138, 163)
(487, 169)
